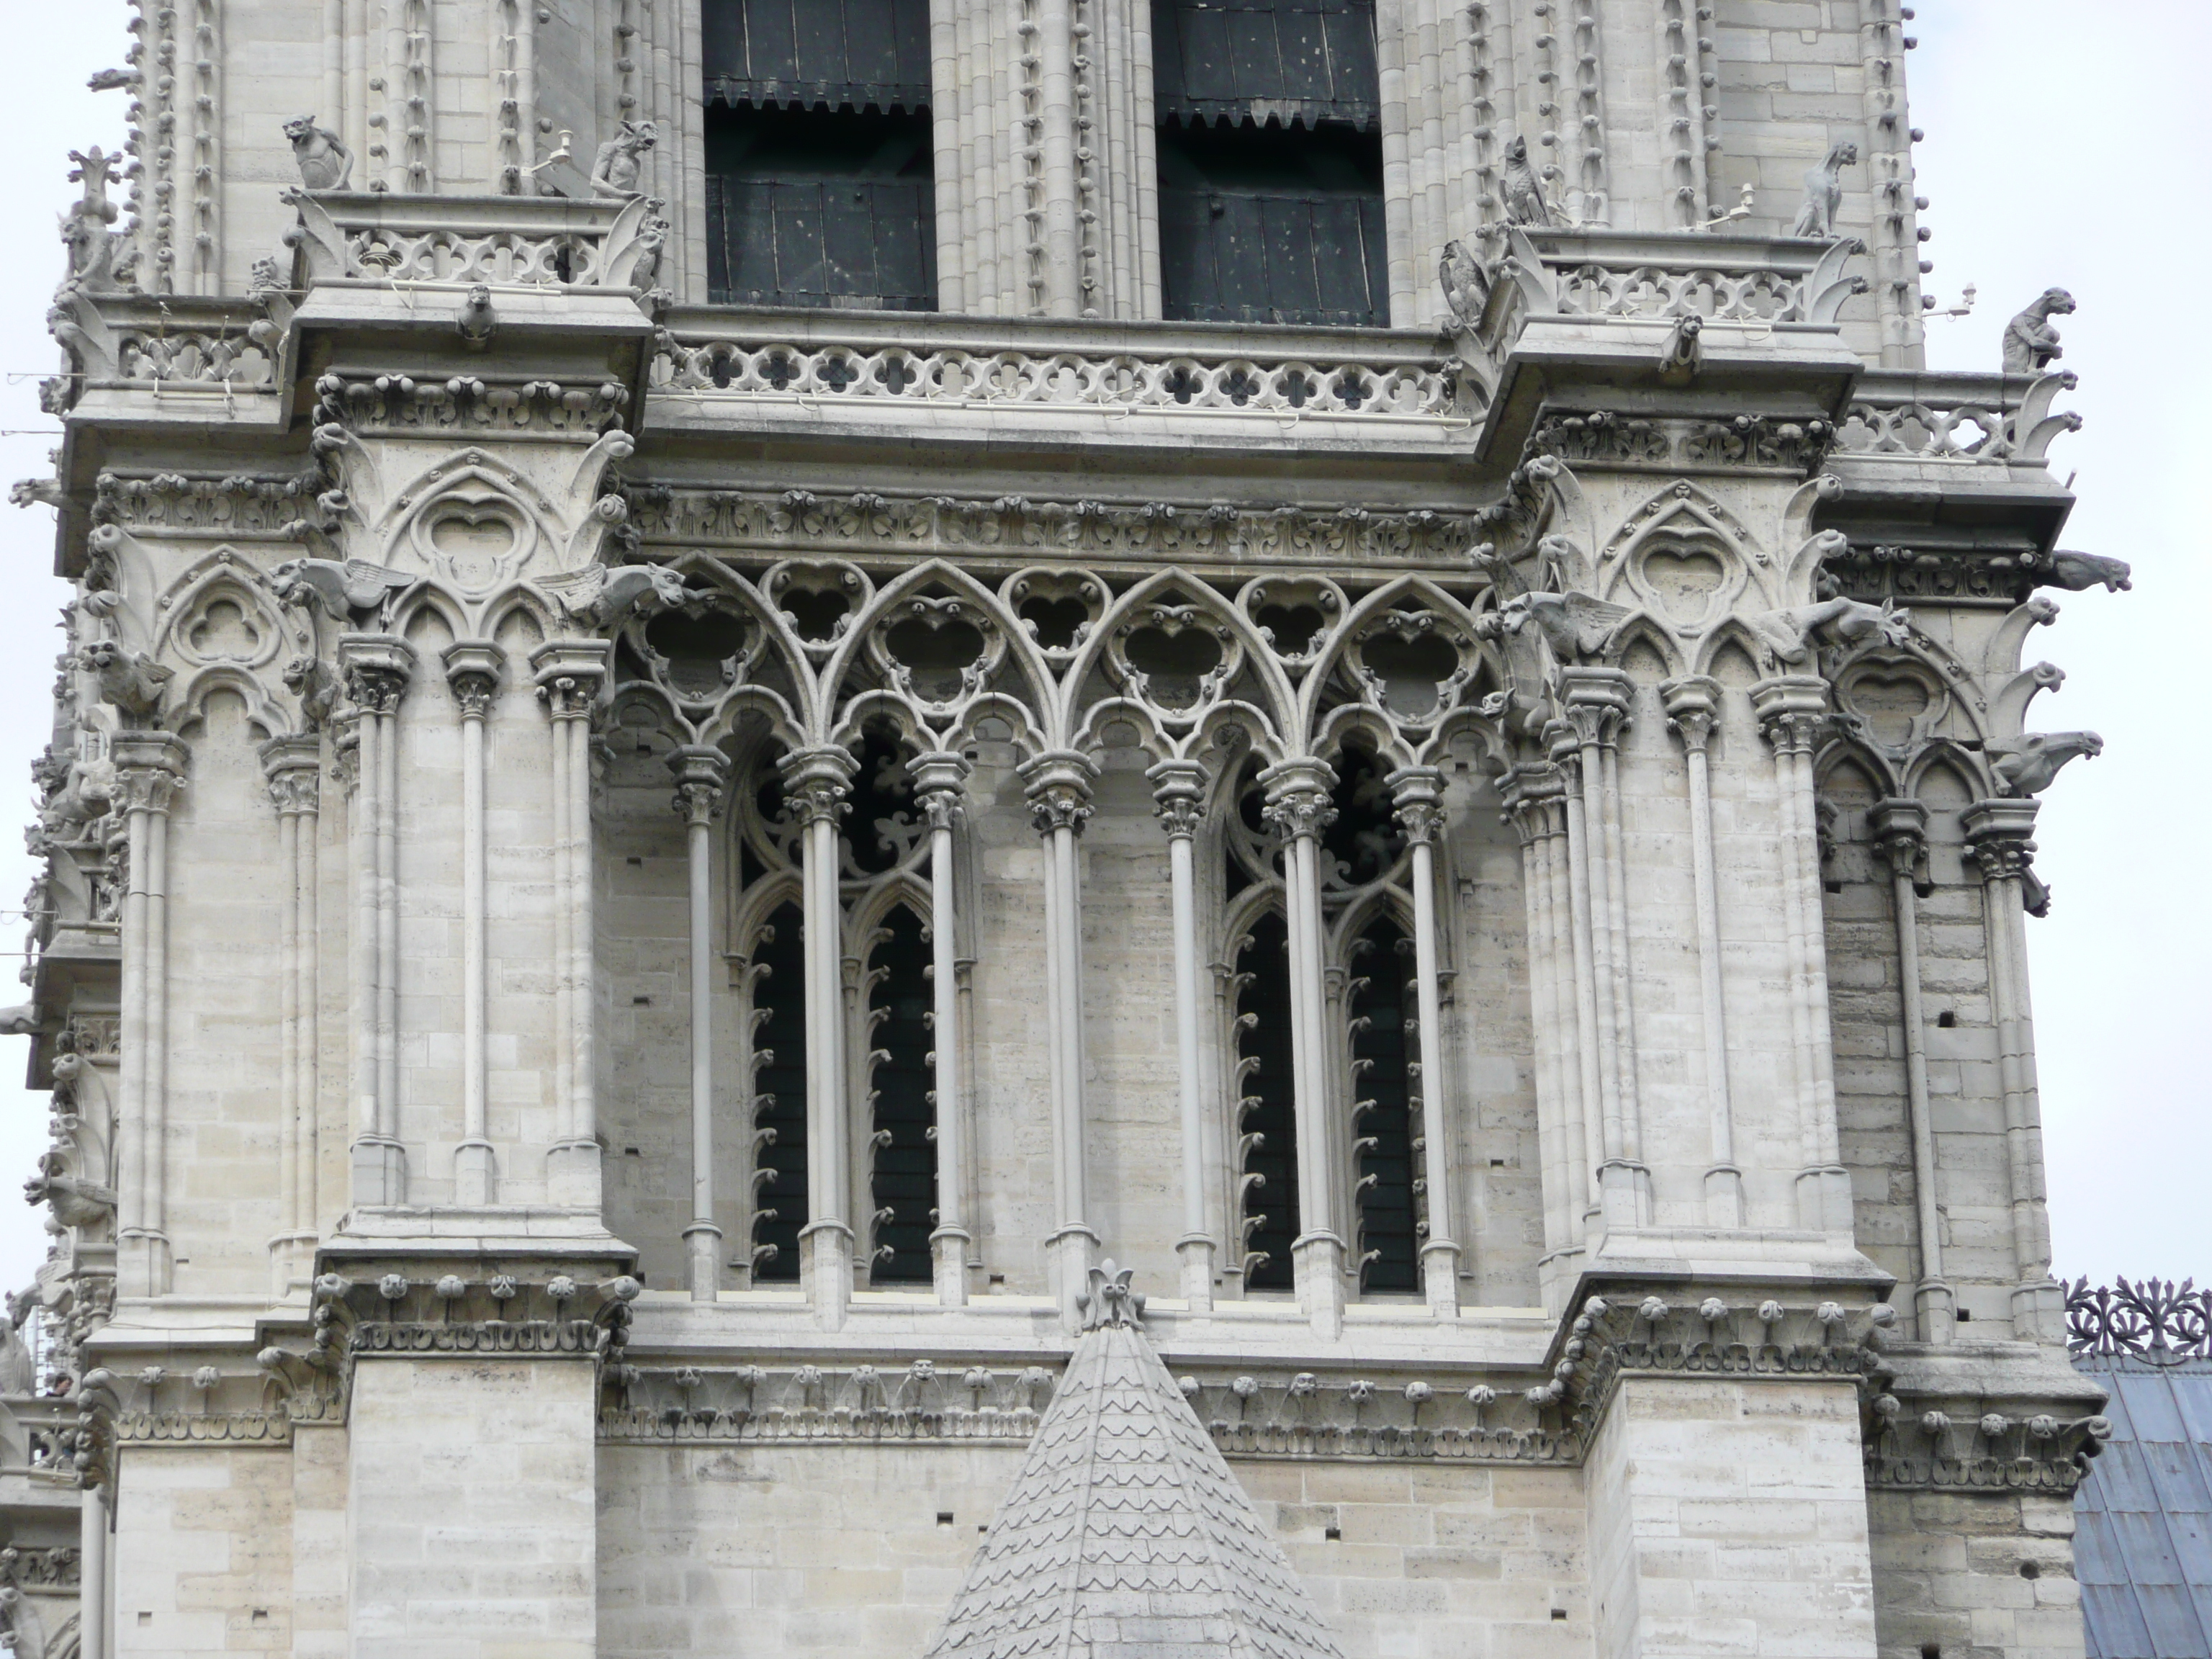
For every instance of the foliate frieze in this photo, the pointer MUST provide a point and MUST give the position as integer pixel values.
(857, 1404)
(1926, 1445)
(54, 1567)
(2001, 576)
(467, 405)
(1614, 1336)
(865, 523)
(1304, 1415)
(241, 505)
(204, 1428)
(1743, 443)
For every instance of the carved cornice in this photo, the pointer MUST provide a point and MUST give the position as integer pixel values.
(469, 406)
(1014, 526)
(1743, 443)
(239, 505)
(862, 1404)
(143, 1428)
(1961, 1450)
(52, 1567)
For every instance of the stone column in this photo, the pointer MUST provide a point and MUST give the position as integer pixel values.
(1298, 807)
(1692, 711)
(701, 776)
(1595, 702)
(149, 769)
(1575, 882)
(472, 672)
(1179, 789)
(1793, 712)
(293, 767)
(938, 778)
(377, 668)
(1417, 794)
(1998, 838)
(568, 673)
(1536, 800)
(815, 782)
(1059, 802)
(92, 1597)
(1900, 829)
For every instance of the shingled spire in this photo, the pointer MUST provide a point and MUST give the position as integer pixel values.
(1125, 1535)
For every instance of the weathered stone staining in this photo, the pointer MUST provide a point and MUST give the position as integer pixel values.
(637, 891)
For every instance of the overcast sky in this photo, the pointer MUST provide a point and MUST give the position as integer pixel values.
(2060, 150)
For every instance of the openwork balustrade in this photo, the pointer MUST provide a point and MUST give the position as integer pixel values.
(1988, 418)
(2155, 1320)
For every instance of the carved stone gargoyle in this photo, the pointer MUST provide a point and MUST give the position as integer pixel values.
(1792, 636)
(130, 680)
(343, 588)
(2026, 765)
(607, 603)
(1575, 626)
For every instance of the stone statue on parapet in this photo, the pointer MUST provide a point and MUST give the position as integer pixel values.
(1521, 191)
(93, 266)
(1824, 194)
(325, 162)
(618, 167)
(1465, 282)
(2030, 342)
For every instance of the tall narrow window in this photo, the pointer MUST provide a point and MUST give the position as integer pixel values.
(903, 1115)
(779, 1095)
(1381, 996)
(819, 178)
(1266, 1121)
(1270, 161)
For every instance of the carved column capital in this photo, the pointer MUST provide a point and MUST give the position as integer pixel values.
(1059, 789)
(1297, 798)
(293, 768)
(1533, 792)
(1417, 795)
(702, 772)
(1595, 702)
(568, 673)
(376, 669)
(1178, 797)
(1900, 831)
(815, 782)
(1999, 837)
(1693, 709)
(472, 673)
(149, 770)
(1793, 712)
(940, 777)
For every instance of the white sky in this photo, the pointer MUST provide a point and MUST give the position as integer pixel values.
(2062, 147)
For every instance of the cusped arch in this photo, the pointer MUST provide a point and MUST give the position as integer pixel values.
(1020, 650)
(496, 533)
(1969, 769)
(1390, 596)
(1682, 525)
(1373, 902)
(1259, 657)
(1846, 752)
(188, 704)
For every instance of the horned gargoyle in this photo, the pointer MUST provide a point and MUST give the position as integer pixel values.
(1575, 626)
(76, 1202)
(2026, 765)
(634, 587)
(342, 589)
(1793, 635)
(130, 680)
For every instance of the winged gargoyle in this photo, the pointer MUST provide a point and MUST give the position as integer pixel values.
(1793, 635)
(632, 588)
(1575, 626)
(343, 590)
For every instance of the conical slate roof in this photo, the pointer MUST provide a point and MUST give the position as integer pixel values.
(1124, 1537)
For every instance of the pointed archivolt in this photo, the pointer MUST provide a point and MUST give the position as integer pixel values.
(1125, 1533)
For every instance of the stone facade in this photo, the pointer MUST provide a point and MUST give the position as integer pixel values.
(639, 886)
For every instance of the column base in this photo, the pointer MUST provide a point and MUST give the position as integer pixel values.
(572, 1175)
(1824, 1200)
(2039, 1312)
(380, 1172)
(475, 1173)
(291, 1263)
(1624, 1194)
(825, 1271)
(1724, 1196)
(144, 1263)
(1317, 1269)
(1067, 1255)
(948, 1266)
(1440, 1277)
(703, 1259)
(1195, 1252)
(1937, 1311)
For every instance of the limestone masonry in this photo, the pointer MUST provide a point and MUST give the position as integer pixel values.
(750, 679)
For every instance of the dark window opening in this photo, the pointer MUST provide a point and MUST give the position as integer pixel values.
(1267, 1123)
(822, 208)
(902, 1183)
(881, 826)
(1384, 1019)
(829, 53)
(1270, 162)
(780, 1097)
